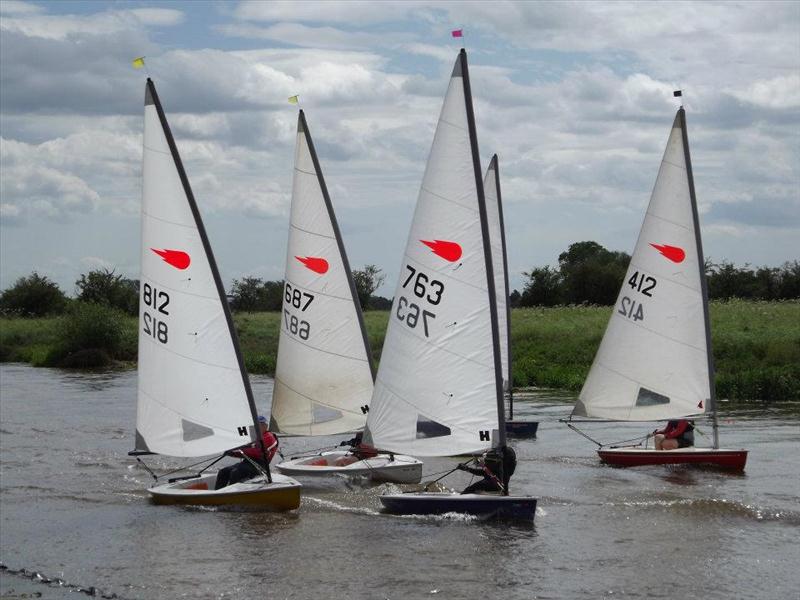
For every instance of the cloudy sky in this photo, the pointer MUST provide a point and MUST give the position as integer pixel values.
(576, 99)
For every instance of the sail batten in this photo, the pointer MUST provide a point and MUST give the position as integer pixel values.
(441, 345)
(654, 360)
(194, 394)
(324, 372)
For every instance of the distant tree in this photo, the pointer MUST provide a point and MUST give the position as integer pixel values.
(33, 296)
(591, 274)
(252, 294)
(367, 280)
(110, 289)
(514, 299)
(789, 286)
(543, 288)
(380, 303)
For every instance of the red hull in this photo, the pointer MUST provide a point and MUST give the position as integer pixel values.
(724, 459)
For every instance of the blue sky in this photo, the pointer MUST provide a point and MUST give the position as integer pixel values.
(574, 97)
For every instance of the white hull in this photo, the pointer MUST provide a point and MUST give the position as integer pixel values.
(395, 468)
(282, 494)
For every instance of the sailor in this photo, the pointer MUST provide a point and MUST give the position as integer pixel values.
(245, 469)
(496, 467)
(358, 451)
(676, 434)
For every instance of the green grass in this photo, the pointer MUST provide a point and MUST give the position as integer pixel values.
(756, 345)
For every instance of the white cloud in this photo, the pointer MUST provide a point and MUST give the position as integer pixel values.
(313, 37)
(15, 7)
(60, 27)
(779, 92)
(351, 12)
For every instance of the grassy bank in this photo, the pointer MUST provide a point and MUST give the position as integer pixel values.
(756, 345)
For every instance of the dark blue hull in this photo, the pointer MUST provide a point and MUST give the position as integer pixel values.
(483, 505)
(522, 428)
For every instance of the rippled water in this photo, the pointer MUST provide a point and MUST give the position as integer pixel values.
(73, 506)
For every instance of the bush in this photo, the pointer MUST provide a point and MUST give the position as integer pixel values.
(106, 287)
(252, 294)
(33, 296)
(90, 335)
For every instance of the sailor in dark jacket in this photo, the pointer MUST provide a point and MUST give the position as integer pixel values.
(496, 467)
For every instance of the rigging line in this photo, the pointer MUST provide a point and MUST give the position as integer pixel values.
(643, 438)
(576, 430)
(315, 452)
(658, 333)
(322, 350)
(322, 235)
(450, 200)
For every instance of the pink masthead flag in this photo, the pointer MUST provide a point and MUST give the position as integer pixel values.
(457, 33)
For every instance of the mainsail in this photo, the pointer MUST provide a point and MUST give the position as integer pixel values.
(439, 386)
(194, 395)
(323, 377)
(655, 359)
(497, 236)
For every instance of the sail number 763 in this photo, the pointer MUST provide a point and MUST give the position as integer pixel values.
(427, 290)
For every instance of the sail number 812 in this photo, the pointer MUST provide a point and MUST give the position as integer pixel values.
(157, 300)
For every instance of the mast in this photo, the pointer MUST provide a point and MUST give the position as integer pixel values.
(703, 283)
(505, 281)
(487, 250)
(152, 97)
(339, 242)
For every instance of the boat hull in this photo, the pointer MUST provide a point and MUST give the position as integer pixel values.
(281, 495)
(522, 428)
(633, 457)
(438, 503)
(397, 468)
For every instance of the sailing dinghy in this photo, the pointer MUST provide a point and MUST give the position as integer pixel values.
(497, 235)
(439, 389)
(655, 361)
(194, 396)
(324, 373)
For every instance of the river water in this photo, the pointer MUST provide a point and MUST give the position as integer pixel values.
(73, 506)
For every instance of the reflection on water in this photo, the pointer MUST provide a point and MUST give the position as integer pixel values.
(74, 506)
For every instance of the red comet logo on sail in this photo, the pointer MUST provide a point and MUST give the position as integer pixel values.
(673, 253)
(176, 258)
(314, 263)
(450, 251)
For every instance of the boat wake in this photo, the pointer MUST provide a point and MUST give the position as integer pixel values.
(721, 507)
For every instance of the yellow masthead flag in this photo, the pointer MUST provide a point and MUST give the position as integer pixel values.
(138, 63)
(294, 99)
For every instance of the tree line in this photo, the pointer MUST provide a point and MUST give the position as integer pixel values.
(587, 273)
(37, 296)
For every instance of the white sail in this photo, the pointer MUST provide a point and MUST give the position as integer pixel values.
(323, 378)
(437, 388)
(193, 395)
(653, 362)
(497, 236)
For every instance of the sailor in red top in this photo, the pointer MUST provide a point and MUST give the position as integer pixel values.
(676, 434)
(245, 469)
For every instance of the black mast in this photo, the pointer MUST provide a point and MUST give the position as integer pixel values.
(712, 401)
(462, 70)
(151, 97)
(495, 165)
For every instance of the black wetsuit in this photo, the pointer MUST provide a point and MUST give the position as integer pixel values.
(501, 463)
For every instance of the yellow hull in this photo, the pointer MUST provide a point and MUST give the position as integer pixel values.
(281, 495)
